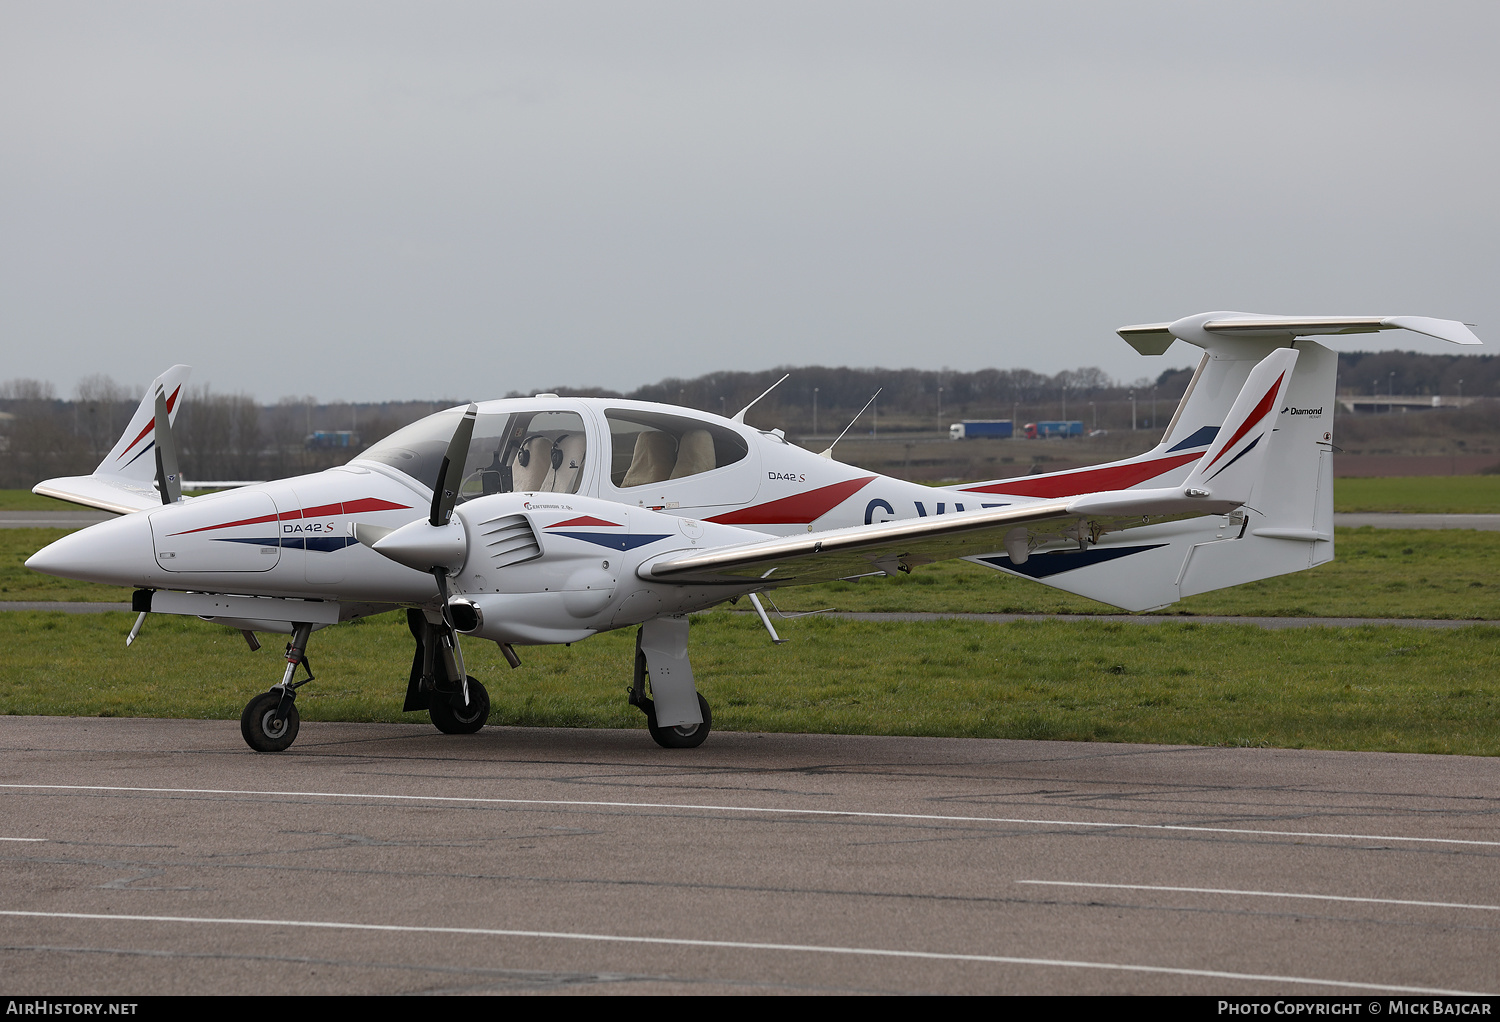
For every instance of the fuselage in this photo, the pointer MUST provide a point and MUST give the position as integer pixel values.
(294, 538)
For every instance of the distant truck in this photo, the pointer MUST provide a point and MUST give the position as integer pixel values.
(1054, 427)
(324, 439)
(972, 429)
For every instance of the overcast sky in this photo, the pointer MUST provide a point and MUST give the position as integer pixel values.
(376, 200)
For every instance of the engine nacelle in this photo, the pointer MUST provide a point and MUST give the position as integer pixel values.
(548, 568)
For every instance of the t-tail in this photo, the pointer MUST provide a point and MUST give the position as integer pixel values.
(1254, 430)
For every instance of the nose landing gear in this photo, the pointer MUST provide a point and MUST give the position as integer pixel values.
(270, 720)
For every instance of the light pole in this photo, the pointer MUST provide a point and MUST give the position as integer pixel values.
(1094, 412)
(815, 411)
(1153, 407)
(1460, 392)
(940, 406)
(1133, 423)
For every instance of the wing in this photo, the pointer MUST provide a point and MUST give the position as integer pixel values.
(889, 547)
(119, 495)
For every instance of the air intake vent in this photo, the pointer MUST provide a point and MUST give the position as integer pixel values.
(508, 540)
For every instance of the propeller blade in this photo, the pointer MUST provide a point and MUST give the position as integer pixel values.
(168, 478)
(450, 475)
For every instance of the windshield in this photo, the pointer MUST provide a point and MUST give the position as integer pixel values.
(530, 452)
(418, 449)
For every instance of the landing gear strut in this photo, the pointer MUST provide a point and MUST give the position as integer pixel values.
(270, 720)
(457, 703)
(677, 716)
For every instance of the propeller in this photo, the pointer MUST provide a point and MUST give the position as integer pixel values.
(437, 546)
(168, 478)
(451, 474)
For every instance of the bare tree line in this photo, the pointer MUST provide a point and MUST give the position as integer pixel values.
(231, 436)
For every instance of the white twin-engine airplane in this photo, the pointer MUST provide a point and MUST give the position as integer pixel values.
(548, 519)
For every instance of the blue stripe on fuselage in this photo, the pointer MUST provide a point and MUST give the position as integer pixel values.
(614, 542)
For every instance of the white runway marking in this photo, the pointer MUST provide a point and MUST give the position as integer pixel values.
(1266, 894)
(22, 839)
(580, 803)
(742, 945)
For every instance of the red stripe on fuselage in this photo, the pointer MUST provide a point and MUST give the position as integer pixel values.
(798, 509)
(1087, 480)
(229, 525)
(585, 520)
(1266, 404)
(349, 507)
(152, 424)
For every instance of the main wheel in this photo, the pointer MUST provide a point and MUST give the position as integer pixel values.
(460, 720)
(264, 728)
(684, 736)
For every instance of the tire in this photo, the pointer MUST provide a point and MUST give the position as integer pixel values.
(263, 730)
(451, 720)
(686, 737)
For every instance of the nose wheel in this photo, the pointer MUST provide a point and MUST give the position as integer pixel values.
(267, 725)
(270, 720)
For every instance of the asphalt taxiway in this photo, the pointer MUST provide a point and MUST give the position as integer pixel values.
(162, 856)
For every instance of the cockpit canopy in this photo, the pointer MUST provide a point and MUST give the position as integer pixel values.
(545, 450)
(527, 451)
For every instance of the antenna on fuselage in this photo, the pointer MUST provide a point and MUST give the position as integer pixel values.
(739, 416)
(829, 453)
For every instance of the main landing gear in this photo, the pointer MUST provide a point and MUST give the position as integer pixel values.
(676, 715)
(270, 720)
(456, 707)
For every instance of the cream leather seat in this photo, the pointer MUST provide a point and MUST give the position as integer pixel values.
(531, 477)
(655, 455)
(695, 453)
(565, 478)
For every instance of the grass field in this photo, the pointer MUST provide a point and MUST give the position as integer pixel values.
(1377, 573)
(25, 500)
(1381, 688)
(1471, 495)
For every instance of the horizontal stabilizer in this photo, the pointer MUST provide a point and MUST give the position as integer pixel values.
(1156, 338)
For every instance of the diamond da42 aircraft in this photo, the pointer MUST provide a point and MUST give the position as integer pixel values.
(549, 519)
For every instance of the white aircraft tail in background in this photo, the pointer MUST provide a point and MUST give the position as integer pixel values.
(125, 479)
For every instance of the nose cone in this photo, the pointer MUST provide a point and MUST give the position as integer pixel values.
(118, 552)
